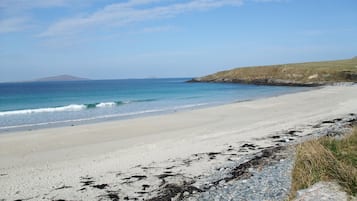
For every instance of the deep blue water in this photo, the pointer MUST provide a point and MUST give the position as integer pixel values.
(43, 104)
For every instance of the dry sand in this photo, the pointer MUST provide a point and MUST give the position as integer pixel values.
(71, 163)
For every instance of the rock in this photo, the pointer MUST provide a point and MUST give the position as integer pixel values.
(349, 75)
(322, 191)
(221, 183)
(314, 76)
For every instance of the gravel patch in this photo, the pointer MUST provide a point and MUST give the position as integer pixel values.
(268, 183)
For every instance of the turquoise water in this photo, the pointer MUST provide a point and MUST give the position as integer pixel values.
(47, 104)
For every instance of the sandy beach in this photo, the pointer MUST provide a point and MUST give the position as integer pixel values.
(134, 158)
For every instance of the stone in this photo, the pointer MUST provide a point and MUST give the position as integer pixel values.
(322, 191)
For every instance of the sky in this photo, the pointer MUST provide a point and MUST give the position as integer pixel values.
(108, 39)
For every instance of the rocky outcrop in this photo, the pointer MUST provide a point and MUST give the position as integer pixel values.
(323, 191)
(349, 75)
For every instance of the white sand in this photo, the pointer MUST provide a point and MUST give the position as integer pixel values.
(33, 163)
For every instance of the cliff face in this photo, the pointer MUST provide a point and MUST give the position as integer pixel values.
(300, 74)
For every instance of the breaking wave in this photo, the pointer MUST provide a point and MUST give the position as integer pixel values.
(71, 107)
(128, 114)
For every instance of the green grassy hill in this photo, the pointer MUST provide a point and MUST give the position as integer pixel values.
(299, 74)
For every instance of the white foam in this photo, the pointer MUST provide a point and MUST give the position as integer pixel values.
(72, 107)
(191, 105)
(107, 104)
(83, 119)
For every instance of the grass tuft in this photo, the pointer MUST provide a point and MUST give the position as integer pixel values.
(326, 159)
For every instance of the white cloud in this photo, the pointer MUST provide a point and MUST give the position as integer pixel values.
(13, 25)
(120, 14)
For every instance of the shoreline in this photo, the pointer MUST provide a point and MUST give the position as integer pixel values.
(120, 117)
(125, 155)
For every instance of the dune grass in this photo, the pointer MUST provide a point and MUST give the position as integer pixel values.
(327, 159)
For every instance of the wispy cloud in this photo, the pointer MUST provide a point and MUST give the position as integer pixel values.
(13, 25)
(110, 16)
(159, 29)
(120, 14)
(268, 1)
(30, 4)
(12, 12)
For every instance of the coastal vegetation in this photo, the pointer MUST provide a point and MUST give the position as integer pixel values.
(327, 159)
(297, 74)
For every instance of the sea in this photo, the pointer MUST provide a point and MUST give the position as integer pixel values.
(35, 105)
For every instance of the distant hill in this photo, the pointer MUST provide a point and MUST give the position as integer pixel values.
(60, 78)
(298, 74)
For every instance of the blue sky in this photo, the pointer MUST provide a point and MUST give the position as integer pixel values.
(107, 39)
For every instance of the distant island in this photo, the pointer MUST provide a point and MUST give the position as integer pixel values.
(298, 74)
(60, 78)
